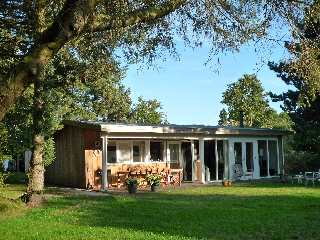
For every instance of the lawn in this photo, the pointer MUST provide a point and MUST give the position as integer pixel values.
(263, 211)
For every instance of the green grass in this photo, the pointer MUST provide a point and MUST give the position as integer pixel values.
(264, 211)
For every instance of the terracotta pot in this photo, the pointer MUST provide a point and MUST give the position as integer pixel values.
(229, 183)
(225, 183)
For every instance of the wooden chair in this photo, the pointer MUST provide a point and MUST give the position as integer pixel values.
(175, 176)
(238, 173)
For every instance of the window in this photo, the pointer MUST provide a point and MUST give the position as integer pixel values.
(124, 152)
(111, 153)
(249, 156)
(174, 153)
(138, 151)
(263, 157)
(156, 151)
(238, 152)
(273, 157)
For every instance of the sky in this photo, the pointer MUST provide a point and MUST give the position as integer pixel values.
(190, 90)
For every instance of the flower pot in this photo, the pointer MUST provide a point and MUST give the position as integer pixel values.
(154, 188)
(225, 183)
(229, 183)
(132, 188)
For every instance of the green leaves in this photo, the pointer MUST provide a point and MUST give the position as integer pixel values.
(248, 96)
(148, 112)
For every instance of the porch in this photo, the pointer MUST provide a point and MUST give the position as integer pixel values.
(203, 160)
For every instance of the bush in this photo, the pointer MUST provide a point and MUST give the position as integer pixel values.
(132, 181)
(154, 179)
(3, 178)
(49, 155)
(301, 161)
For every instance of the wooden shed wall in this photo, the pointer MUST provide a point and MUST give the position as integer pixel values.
(69, 166)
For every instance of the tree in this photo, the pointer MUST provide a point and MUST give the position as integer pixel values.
(302, 100)
(304, 50)
(247, 97)
(148, 112)
(34, 32)
(4, 143)
(223, 117)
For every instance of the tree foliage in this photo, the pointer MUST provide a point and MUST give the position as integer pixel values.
(33, 33)
(304, 50)
(148, 112)
(247, 96)
(301, 100)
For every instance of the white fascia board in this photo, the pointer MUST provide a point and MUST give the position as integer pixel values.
(134, 129)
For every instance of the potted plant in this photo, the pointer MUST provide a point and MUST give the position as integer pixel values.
(226, 182)
(132, 184)
(154, 181)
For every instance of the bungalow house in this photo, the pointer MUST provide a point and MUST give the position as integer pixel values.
(92, 154)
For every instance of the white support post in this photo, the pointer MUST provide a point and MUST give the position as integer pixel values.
(147, 151)
(104, 163)
(268, 157)
(201, 151)
(256, 166)
(181, 163)
(282, 154)
(244, 157)
(165, 151)
(217, 158)
(193, 161)
(167, 154)
(231, 159)
(278, 158)
(226, 157)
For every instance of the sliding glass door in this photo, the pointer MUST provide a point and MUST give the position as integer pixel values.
(244, 154)
(215, 160)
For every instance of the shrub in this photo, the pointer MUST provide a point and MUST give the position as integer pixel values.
(131, 181)
(301, 161)
(3, 178)
(154, 179)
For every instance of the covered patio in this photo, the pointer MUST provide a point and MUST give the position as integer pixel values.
(102, 155)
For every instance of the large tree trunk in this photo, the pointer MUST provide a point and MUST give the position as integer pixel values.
(36, 177)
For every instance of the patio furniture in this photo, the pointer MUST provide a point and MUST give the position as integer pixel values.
(317, 176)
(238, 173)
(311, 177)
(298, 177)
(175, 176)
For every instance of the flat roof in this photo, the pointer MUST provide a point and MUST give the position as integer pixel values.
(110, 127)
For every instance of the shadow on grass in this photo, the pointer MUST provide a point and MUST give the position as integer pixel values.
(205, 215)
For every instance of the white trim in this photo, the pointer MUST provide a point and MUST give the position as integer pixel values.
(201, 151)
(282, 150)
(268, 159)
(147, 151)
(278, 158)
(217, 158)
(104, 177)
(192, 161)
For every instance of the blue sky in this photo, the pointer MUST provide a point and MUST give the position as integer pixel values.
(190, 91)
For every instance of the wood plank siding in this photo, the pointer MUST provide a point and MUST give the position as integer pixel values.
(69, 167)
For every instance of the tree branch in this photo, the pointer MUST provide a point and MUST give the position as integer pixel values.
(139, 16)
(75, 18)
(69, 23)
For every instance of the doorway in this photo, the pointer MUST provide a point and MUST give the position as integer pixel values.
(187, 161)
(243, 152)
